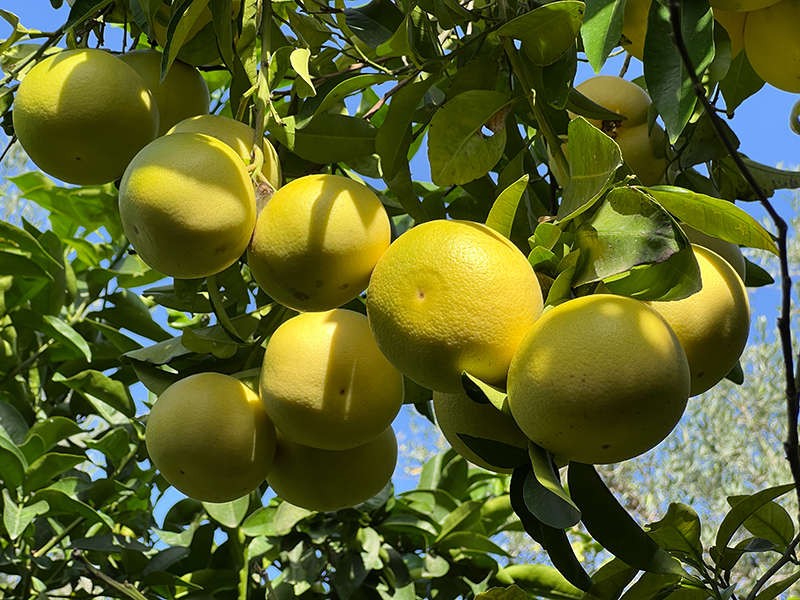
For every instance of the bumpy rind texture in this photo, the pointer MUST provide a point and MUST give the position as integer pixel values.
(317, 241)
(342, 393)
(599, 379)
(330, 480)
(187, 205)
(210, 437)
(452, 296)
(82, 115)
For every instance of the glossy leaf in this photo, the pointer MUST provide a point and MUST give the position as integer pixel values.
(777, 588)
(539, 580)
(17, 518)
(732, 184)
(494, 452)
(48, 467)
(678, 530)
(563, 557)
(755, 276)
(612, 526)
(112, 392)
(740, 83)
(715, 217)
(458, 151)
(45, 434)
(328, 138)
(513, 592)
(601, 30)
(374, 23)
(668, 81)
(547, 31)
(501, 216)
(228, 514)
(543, 494)
(593, 158)
(743, 509)
(483, 393)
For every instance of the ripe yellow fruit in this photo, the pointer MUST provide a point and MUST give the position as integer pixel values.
(182, 94)
(329, 480)
(742, 5)
(599, 379)
(730, 252)
(200, 46)
(712, 324)
(187, 205)
(325, 383)
(733, 23)
(317, 241)
(210, 437)
(634, 26)
(82, 115)
(452, 296)
(637, 145)
(773, 45)
(458, 414)
(238, 136)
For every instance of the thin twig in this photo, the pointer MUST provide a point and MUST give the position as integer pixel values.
(785, 558)
(377, 106)
(784, 323)
(625, 65)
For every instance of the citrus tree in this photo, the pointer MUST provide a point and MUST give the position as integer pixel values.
(603, 187)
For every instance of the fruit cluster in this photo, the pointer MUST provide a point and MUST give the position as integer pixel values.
(597, 379)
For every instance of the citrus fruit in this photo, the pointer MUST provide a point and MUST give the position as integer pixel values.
(329, 480)
(598, 379)
(317, 241)
(341, 393)
(733, 23)
(634, 26)
(210, 437)
(459, 414)
(635, 140)
(187, 205)
(730, 252)
(200, 45)
(712, 324)
(238, 136)
(452, 296)
(182, 94)
(82, 115)
(773, 45)
(742, 5)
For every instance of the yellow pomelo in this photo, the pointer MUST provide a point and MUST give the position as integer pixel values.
(238, 136)
(200, 45)
(772, 43)
(452, 296)
(599, 379)
(733, 23)
(187, 205)
(712, 324)
(458, 414)
(317, 241)
(636, 143)
(182, 94)
(329, 480)
(634, 26)
(325, 383)
(742, 5)
(82, 115)
(730, 252)
(210, 437)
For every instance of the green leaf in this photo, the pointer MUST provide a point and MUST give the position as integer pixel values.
(260, 522)
(47, 433)
(743, 509)
(601, 30)
(777, 588)
(62, 503)
(483, 393)
(494, 452)
(678, 531)
(543, 494)
(610, 580)
(668, 80)
(374, 23)
(228, 514)
(504, 209)
(674, 279)
(715, 217)
(394, 136)
(593, 158)
(299, 59)
(336, 90)
(16, 519)
(563, 557)
(733, 185)
(651, 585)
(83, 9)
(532, 525)
(181, 22)
(539, 580)
(704, 144)
(114, 445)
(13, 423)
(547, 31)
(512, 592)
(458, 151)
(54, 328)
(561, 289)
(755, 276)
(583, 106)
(612, 526)
(12, 462)
(740, 83)
(112, 392)
(328, 138)
(287, 516)
(47, 468)
(770, 522)
(464, 517)
(627, 230)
